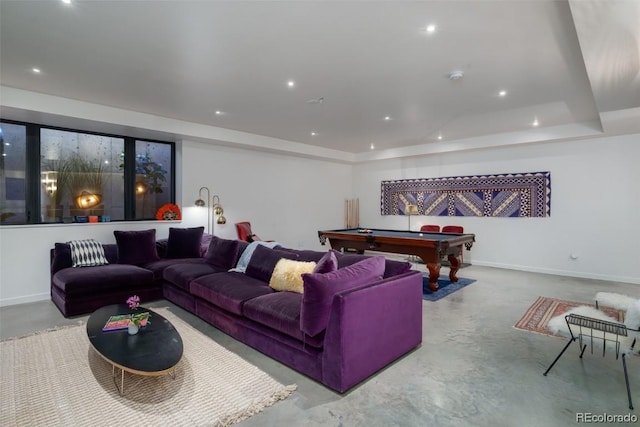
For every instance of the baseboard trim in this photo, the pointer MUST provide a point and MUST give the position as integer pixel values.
(24, 299)
(566, 273)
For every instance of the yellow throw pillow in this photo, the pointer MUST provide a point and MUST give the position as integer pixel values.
(287, 275)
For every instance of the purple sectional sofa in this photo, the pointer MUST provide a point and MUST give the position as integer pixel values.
(356, 315)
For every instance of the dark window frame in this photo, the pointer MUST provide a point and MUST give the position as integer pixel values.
(32, 170)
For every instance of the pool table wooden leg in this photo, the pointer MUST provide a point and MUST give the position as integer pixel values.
(454, 262)
(434, 273)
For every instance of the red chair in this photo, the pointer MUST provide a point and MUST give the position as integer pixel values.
(431, 228)
(244, 232)
(453, 229)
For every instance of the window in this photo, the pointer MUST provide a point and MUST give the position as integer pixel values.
(66, 175)
(13, 143)
(153, 177)
(80, 176)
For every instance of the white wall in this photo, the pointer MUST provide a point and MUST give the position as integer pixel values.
(24, 253)
(286, 199)
(595, 206)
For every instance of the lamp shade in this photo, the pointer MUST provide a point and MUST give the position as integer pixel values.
(412, 210)
(88, 200)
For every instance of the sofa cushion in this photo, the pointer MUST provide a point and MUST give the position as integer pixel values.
(392, 267)
(287, 275)
(319, 290)
(222, 253)
(61, 257)
(245, 255)
(264, 260)
(93, 280)
(305, 254)
(136, 247)
(184, 242)
(327, 263)
(204, 243)
(158, 267)
(228, 290)
(280, 311)
(181, 274)
(87, 253)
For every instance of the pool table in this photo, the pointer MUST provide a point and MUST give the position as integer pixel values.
(431, 247)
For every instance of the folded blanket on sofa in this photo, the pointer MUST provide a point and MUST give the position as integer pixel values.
(244, 259)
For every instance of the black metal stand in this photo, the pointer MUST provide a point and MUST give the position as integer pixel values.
(595, 330)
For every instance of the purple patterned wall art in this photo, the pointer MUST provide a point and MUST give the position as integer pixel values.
(525, 195)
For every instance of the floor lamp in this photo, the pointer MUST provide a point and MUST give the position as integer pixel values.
(410, 211)
(217, 209)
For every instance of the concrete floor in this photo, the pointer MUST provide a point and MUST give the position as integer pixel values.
(473, 368)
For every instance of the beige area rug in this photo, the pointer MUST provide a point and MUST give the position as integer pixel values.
(536, 318)
(55, 378)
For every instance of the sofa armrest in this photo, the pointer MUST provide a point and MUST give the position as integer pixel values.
(370, 327)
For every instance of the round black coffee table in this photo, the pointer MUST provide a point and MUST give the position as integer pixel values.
(154, 351)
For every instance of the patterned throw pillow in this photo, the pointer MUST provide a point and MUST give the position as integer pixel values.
(87, 253)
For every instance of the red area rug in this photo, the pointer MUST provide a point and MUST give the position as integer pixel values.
(544, 308)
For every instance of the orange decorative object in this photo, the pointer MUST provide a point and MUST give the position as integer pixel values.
(168, 212)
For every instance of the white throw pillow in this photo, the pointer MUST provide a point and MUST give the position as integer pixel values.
(87, 253)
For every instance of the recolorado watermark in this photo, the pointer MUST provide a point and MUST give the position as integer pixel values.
(589, 418)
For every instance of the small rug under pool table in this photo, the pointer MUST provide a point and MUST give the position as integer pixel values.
(445, 287)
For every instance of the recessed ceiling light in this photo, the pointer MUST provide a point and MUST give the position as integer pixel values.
(66, 1)
(387, 118)
(535, 123)
(314, 133)
(431, 28)
(291, 83)
(456, 75)
(36, 70)
(372, 147)
(439, 137)
(502, 93)
(106, 162)
(219, 113)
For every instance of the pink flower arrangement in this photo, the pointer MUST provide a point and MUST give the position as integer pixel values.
(133, 302)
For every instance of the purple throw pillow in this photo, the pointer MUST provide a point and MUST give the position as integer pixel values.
(184, 242)
(136, 247)
(222, 253)
(395, 268)
(327, 263)
(392, 267)
(319, 290)
(61, 257)
(264, 260)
